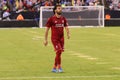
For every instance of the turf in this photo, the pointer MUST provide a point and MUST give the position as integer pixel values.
(91, 54)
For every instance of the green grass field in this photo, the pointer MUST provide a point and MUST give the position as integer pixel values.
(91, 54)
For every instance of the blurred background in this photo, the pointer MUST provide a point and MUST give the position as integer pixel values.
(28, 11)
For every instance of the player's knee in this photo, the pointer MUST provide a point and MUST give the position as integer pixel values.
(59, 51)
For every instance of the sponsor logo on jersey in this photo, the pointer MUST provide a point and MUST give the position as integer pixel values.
(59, 25)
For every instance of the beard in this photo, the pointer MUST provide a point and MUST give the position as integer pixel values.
(59, 13)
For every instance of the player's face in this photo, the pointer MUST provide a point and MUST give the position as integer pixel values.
(59, 10)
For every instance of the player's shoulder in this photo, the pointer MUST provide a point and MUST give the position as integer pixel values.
(63, 17)
(50, 18)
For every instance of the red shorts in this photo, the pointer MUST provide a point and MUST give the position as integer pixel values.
(58, 44)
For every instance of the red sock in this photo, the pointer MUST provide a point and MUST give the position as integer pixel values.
(57, 59)
(59, 66)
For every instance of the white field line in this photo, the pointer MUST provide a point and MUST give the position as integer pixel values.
(36, 35)
(108, 34)
(82, 55)
(103, 63)
(117, 49)
(29, 31)
(33, 32)
(116, 68)
(59, 77)
(37, 38)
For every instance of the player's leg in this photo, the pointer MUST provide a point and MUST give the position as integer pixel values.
(57, 63)
(59, 60)
(61, 50)
(58, 50)
(58, 56)
(55, 42)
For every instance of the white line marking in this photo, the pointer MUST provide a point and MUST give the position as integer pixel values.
(108, 34)
(103, 63)
(115, 35)
(36, 35)
(116, 68)
(117, 49)
(33, 32)
(82, 55)
(37, 38)
(59, 77)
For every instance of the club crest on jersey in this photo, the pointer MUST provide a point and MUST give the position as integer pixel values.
(62, 21)
(55, 21)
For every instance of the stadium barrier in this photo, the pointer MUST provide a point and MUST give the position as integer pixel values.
(8, 24)
(112, 18)
(30, 20)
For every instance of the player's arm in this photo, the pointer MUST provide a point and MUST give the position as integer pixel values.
(48, 25)
(68, 32)
(67, 29)
(46, 36)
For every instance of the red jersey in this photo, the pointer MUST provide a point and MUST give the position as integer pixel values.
(57, 26)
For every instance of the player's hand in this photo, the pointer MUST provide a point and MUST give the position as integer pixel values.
(68, 36)
(45, 42)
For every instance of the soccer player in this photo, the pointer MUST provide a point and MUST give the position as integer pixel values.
(57, 23)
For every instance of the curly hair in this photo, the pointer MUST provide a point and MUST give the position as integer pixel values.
(55, 7)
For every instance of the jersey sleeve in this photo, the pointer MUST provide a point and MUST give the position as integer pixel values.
(65, 22)
(49, 22)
